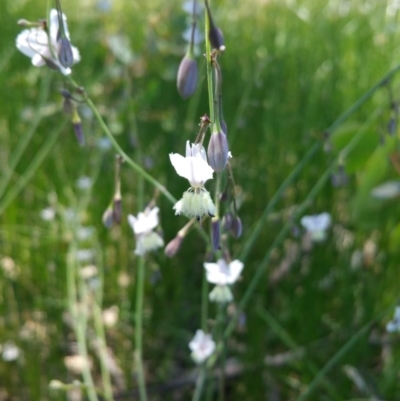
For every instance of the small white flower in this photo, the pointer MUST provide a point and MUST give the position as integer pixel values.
(85, 255)
(10, 352)
(44, 47)
(47, 214)
(144, 222)
(196, 202)
(221, 273)
(394, 325)
(317, 225)
(84, 182)
(202, 346)
(146, 239)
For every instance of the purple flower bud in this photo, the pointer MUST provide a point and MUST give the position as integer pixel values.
(216, 233)
(216, 38)
(218, 151)
(227, 221)
(236, 228)
(107, 218)
(65, 56)
(117, 209)
(187, 76)
(173, 246)
(79, 133)
(77, 123)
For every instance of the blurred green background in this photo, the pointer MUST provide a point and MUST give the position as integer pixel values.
(290, 69)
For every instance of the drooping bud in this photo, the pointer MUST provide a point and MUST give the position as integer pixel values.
(173, 246)
(187, 76)
(108, 219)
(216, 38)
(216, 233)
(236, 227)
(117, 209)
(227, 221)
(65, 56)
(218, 151)
(214, 34)
(77, 123)
(24, 22)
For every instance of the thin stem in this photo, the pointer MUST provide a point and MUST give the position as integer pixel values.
(134, 165)
(204, 302)
(199, 384)
(209, 69)
(139, 329)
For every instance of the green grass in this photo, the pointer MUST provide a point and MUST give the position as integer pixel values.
(289, 71)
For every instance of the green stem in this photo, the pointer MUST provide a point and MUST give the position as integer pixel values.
(199, 384)
(139, 329)
(204, 302)
(134, 165)
(209, 69)
(296, 171)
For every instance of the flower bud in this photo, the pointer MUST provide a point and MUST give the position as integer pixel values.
(77, 123)
(117, 209)
(216, 38)
(173, 246)
(218, 151)
(216, 233)
(24, 22)
(236, 228)
(227, 221)
(108, 218)
(65, 56)
(187, 76)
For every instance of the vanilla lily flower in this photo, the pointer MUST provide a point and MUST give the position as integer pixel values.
(143, 225)
(45, 46)
(222, 274)
(394, 325)
(202, 346)
(196, 202)
(317, 225)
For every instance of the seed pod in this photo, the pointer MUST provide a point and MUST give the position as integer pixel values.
(236, 228)
(187, 76)
(218, 151)
(65, 56)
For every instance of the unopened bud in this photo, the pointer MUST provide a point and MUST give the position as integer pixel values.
(216, 38)
(187, 76)
(216, 233)
(236, 227)
(65, 56)
(77, 123)
(108, 218)
(227, 221)
(56, 385)
(218, 151)
(173, 246)
(117, 209)
(224, 127)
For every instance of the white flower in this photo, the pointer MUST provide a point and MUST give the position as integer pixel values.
(48, 214)
(142, 225)
(144, 222)
(10, 352)
(44, 47)
(394, 325)
(202, 346)
(194, 166)
(196, 202)
(221, 273)
(84, 182)
(316, 225)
